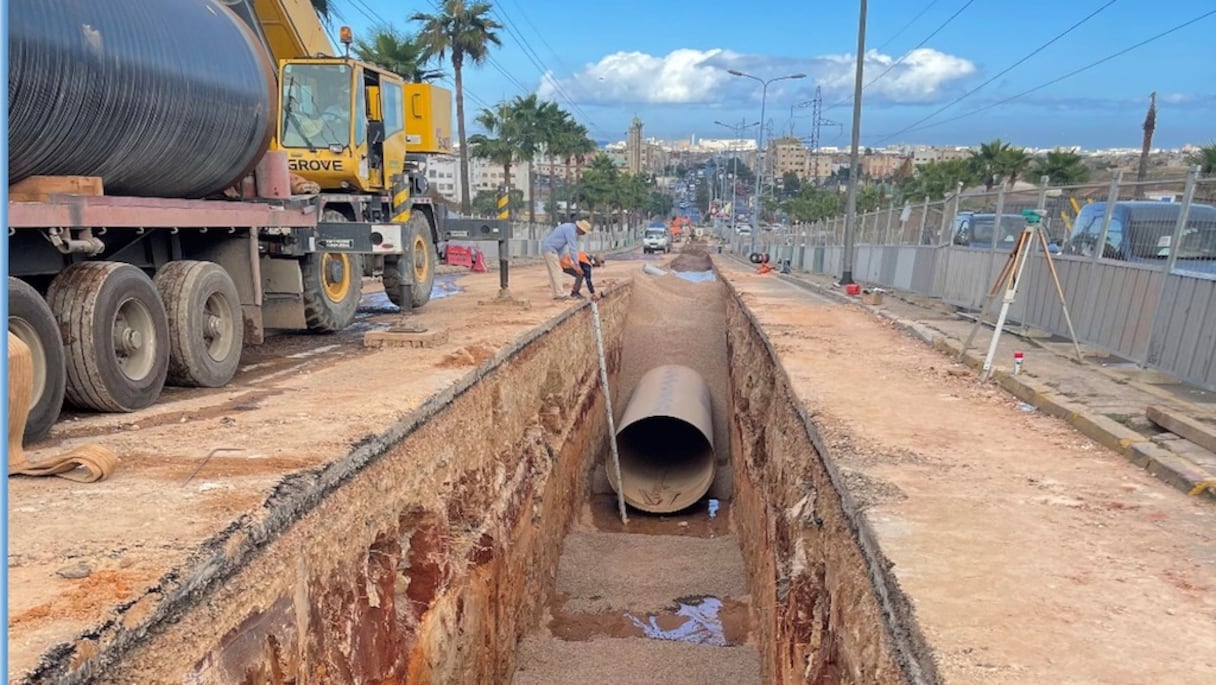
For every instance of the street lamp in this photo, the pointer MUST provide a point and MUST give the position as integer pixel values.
(734, 167)
(760, 139)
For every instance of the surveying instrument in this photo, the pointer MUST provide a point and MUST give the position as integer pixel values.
(1009, 279)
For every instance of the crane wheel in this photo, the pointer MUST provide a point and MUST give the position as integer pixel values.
(31, 320)
(206, 325)
(333, 286)
(426, 259)
(115, 334)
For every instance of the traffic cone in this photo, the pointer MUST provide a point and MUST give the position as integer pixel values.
(479, 262)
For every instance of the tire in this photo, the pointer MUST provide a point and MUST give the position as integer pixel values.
(31, 320)
(426, 259)
(333, 286)
(115, 334)
(206, 324)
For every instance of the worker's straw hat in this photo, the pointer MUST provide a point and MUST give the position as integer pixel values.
(583, 225)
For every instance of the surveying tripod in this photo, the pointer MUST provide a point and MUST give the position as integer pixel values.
(1010, 278)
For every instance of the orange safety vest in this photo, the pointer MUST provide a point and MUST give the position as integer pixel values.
(582, 258)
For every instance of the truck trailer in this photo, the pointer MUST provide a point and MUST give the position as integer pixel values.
(186, 175)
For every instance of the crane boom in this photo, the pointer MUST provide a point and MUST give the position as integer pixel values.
(292, 29)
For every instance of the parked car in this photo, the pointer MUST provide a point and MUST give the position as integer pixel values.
(743, 229)
(1141, 231)
(973, 229)
(656, 240)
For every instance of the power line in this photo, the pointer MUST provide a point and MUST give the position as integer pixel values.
(1007, 69)
(537, 62)
(916, 47)
(907, 25)
(1056, 80)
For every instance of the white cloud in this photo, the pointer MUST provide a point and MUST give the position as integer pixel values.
(688, 76)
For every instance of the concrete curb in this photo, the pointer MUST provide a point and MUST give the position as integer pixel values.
(1137, 448)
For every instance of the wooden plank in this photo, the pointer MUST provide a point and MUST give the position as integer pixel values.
(41, 188)
(1183, 426)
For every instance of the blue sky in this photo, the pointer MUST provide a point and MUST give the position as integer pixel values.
(664, 61)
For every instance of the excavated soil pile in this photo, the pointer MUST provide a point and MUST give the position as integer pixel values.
(692, 259)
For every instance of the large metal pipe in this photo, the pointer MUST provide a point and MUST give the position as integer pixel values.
(666, 441)
(173, 98)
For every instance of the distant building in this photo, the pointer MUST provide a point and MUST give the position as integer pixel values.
(634, 147)
(443, 173)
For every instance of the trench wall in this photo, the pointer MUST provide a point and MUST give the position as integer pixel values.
(827, 610)
(428, 560)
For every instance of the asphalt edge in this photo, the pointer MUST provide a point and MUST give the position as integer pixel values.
(1173, 469)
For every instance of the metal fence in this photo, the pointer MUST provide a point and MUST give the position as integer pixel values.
(1136, 298)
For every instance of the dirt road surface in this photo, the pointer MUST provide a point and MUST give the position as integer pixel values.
(1030, 554)
(78, 552)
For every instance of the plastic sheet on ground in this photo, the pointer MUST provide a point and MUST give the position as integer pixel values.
(696, 276)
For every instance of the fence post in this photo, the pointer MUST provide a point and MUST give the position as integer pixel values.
(924, 218)
(886, 234)
(1091, 293)
(996, 222)
(1188, 198)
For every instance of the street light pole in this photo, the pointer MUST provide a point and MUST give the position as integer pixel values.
(760, 142)
(734, 165)
(850, 212)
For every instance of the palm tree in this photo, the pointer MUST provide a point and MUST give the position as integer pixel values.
(1012, 162)
(459, 32)
(987, 161)
(403, 55)
(1062, 167)
(323, 9)
(1205, 157)
(502, 149)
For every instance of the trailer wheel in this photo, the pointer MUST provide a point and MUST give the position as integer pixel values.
(333, 285)
(31, 320)
(115, 335)
(206, 326)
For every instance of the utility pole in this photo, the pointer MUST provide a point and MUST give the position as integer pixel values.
(850, 215)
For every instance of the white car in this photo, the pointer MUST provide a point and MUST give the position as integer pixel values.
(743, 229)
(656, 240)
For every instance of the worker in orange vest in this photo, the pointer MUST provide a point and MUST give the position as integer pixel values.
(583, 273)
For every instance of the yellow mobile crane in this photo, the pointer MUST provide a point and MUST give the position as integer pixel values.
(356, 131)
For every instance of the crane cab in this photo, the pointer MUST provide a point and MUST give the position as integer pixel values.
(348, 126)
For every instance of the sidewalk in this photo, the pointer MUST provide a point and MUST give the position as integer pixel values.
(1105, 399)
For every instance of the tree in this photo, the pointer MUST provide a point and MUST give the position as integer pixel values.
(1062, 167)
(938, 179)
(986, 162)
(485, 203)
(1012, 162)
(323, 9)
(790, 184)
(659, 203)
(537, 122)
(812, 204)
(1205, 157)
(570, 141)
(599, 184)
(403, 55)
(501, 149)
(460, 31)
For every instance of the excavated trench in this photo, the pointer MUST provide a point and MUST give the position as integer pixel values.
(478, 541)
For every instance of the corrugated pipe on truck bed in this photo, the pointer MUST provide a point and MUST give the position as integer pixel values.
(666, 441)
(173, 98)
